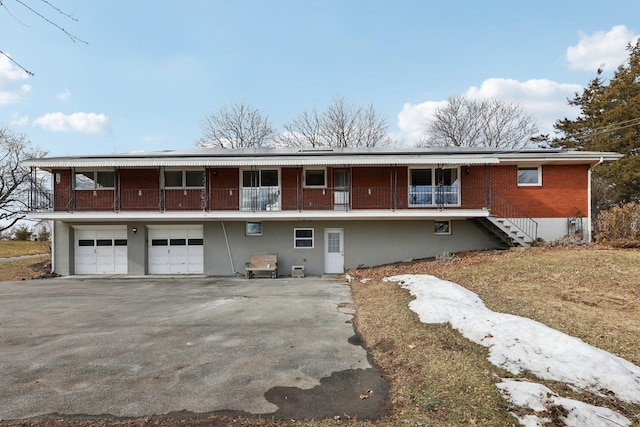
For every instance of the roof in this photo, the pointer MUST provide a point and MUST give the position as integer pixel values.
(274, 157)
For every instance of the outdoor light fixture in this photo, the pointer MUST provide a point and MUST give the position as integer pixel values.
(134, 229)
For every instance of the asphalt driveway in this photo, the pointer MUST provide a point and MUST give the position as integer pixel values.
(124, 347)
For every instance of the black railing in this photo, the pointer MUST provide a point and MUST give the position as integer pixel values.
(502, 207)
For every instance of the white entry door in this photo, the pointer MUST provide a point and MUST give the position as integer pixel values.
(176, 249)
(101, 250)
(334, 250)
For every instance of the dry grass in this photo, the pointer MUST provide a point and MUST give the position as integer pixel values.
(14, 248)
(589, 293)
(25, 269)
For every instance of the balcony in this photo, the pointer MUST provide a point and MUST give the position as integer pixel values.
(261, 199)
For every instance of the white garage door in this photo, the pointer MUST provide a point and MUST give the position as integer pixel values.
(101, 250)
(176, 249)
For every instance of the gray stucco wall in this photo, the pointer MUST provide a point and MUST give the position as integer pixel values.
(227, 247)
(137, 249)
(366, 243)
(63, 248)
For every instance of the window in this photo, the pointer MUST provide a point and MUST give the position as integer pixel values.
(442, 227)
(183, 179)
(434, 186)
(253, 229)
(529, 175)
(303, 238)
(95, 180)
(315, 178)
(260, 190)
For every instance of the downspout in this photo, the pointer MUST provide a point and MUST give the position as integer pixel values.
(224, 231)
(589, 235)
(53, 245)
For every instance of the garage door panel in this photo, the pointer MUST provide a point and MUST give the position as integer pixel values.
(101, 251)
(170, 250)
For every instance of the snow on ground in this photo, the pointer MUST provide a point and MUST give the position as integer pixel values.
(517, 344)
(543, 401)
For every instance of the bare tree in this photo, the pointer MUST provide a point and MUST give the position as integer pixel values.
(343, 124)
(304, 130)
(236, 126)
(32, 9)
(490, 122)
(16, 180)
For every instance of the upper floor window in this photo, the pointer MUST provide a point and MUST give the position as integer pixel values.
(183, 178)
(434, 186)
(260, 190)
(529, 175)
(260, 178)
(95, 180)
(315, 178)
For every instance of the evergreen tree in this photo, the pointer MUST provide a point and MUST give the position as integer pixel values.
(609, 120)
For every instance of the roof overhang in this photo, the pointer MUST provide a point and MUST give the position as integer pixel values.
(337, 158)
(63, 163)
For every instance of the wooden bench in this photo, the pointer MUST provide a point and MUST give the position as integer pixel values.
(262, 263)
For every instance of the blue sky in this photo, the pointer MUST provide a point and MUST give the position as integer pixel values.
(153, 69)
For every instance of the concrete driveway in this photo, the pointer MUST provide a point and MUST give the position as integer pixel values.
(125, 347)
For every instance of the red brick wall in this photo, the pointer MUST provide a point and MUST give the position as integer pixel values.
(139, 189)
(563, 188)
(372, 187)
(223, 188)
(291, 184)
(61, 189)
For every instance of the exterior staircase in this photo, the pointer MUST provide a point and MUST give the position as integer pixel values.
(507, 223)
(506, 231)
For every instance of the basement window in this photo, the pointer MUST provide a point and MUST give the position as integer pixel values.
(303, 238)
(442, 227)
(253, 229)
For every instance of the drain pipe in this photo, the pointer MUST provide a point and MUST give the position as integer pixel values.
(226, 239)
(589, 196)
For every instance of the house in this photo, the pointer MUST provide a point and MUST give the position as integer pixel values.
(206, 211)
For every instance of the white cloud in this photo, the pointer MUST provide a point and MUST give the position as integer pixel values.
(64, 96)
(75, 123)
(606, 50)
(544, 99)
(11, 88)
(18, 120)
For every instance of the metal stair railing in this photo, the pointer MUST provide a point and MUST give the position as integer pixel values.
(504, 208)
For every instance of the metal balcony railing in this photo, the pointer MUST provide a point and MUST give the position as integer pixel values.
(279, 199)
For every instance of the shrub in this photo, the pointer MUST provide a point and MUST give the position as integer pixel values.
(619, 223)
(22, 233)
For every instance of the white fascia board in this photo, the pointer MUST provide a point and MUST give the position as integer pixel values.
(403, 214)
(567, 157)
(262, 161)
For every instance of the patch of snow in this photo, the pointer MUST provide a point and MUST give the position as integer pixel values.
(517, 344)
(365, 280)
(542, 400)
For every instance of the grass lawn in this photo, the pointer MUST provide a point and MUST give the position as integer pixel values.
(438, 378)
(14, 248)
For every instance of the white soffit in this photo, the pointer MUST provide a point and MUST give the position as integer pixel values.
(259, 161)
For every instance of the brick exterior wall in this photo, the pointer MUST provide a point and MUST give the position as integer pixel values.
(61, 189)
(224, 188)
(563, 188)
